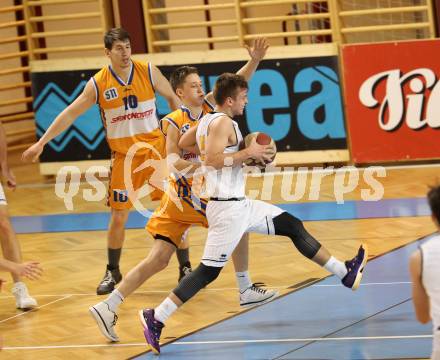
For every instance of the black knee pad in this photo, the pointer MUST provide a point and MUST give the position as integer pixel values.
(288, 225)
(192, 283)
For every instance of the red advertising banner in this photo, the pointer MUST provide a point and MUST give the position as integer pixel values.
(392, 98)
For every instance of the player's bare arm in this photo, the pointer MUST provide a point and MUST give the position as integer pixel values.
(257, 52)
(30, 270)
(172, 147)
(66, 118)
(164, 88)
(222, 134)
(420, 298)
(188, 141)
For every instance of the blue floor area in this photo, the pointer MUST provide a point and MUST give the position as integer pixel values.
(313, 211)
(322, 321)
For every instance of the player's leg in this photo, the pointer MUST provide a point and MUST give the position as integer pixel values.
(118, 201)
(11, 251)
(115, 241)
(227, 224)
(350, 272)
(167, 234)
(10, 246)
(270, 219)
(171, 211)
(105, 312)
(182, 253)
(250, 294)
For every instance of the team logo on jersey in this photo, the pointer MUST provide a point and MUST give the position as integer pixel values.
(185, 128)
(110, 94)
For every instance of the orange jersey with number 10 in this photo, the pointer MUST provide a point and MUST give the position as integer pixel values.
(128, 110)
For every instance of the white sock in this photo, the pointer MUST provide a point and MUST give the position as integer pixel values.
(114, 300)
(336, 267)
(243, 280)
(20, 289)
(165, 310)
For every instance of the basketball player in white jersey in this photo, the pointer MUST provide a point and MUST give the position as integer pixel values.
(424, 268)
(230, 214)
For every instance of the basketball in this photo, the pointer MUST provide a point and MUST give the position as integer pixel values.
(262, 139)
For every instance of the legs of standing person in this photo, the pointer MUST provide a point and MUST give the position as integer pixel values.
(121, 197)
(118, 201)
(9, 243)
(115, 241)
(11, 251)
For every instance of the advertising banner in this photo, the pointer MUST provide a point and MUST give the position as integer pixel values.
(295, 101)
(392, 98)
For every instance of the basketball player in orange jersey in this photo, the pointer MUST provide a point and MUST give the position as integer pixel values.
(177, 211)
(125, 94)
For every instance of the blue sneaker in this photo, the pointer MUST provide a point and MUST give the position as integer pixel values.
(355, 268)
(152, 329)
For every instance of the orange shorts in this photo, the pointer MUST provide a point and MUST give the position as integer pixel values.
(122, 183)
(175, 215)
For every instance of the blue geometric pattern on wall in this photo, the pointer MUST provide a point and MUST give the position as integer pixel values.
(87, 128)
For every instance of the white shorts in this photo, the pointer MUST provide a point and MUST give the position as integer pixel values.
(2, 196)
(436, 346)
(229, 220)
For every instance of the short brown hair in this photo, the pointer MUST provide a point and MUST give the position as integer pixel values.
(227, 85)
(178, 76)
(113, 35)
(434, 202)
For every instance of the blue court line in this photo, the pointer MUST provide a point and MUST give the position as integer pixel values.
(324, 309)
(311, 211)
(72, 222)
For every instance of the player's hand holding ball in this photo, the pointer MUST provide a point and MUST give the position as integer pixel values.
(261, 149)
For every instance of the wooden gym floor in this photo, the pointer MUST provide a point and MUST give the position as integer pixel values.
(74, 264)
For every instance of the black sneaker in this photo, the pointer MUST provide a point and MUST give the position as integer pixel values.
(107, 284)
(184, 270)
(355, 268)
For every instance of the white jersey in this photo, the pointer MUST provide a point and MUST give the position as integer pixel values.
(229, 181)
(431, 281)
